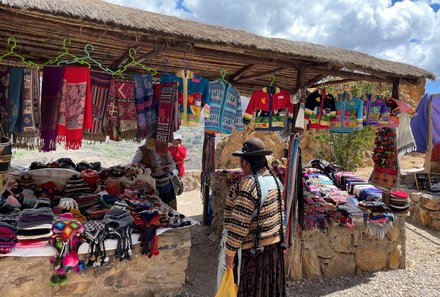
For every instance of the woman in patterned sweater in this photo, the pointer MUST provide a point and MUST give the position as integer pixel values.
(253, 218)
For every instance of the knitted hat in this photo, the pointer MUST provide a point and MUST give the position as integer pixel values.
(76, 186)
(26, 181)
(117, 218)
(66, 226)
(33, 215)
(48, 189)
(90, 176)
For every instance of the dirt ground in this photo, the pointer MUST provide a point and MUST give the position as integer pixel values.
(420, 278)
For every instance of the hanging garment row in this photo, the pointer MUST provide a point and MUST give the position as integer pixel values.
(345, 113)
(82, 104)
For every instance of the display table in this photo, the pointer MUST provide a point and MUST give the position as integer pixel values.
(333, 252)
(161, 275)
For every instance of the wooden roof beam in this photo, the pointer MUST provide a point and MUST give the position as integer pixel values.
(262, 75)
(311, 82)
(332, 82)
(236, 76)
(347, 74)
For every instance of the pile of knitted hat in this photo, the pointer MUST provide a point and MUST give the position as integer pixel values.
(67, 237)
(147, 220)
(399, 201)
(118, 222)
(80, 190)
(34, 227)
(8, 237)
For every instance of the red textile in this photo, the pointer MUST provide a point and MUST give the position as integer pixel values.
(179, 155)
(75, 111)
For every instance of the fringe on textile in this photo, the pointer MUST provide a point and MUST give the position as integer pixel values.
(408, 148)
(379, 230)
(28, 142)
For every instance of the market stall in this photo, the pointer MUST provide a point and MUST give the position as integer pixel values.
(176, 73)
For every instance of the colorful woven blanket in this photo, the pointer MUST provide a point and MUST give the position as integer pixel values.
(4, 96)
(100, 87)
(121, 109)
(167, 98)
(75, 111)
(146, 107)
(27, 130)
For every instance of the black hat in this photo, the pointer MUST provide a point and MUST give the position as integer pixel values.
(252, 147)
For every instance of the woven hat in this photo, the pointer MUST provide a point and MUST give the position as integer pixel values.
(76, 186)
(253, 147)
(117, 218)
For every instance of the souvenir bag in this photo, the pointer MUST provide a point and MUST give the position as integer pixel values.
(66, 238)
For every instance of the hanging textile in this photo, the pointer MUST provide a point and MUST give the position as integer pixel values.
(146, 107)
(405, 139)
(375, 111)
(121, 109)
(75, 110)
(99, 88)
(27, 132)
(320, 109)
(15, 93)
(225, 111)
(271, 106)
(349, 114)
(193, 95)
(4, 97)
(50, 102)
(167, 98)
(208, 167)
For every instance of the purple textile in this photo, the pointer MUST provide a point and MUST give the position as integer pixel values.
(50, 101)
(146, 107)
(419, 124)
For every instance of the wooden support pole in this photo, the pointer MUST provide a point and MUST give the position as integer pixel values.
(236, 76)
(396, 85)
(300, 77)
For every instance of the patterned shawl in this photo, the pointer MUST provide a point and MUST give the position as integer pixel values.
(167, 98)
(50, 101)
(100, 86)
(15, 91)
(121, 109)
(27, 132)
(4, 98)
(75, 111)
(146, 107)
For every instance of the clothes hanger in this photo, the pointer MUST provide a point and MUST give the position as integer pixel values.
(186, 65)
(223, 74)
(66, 44)
(271, 80)
(132, 54)
(13, 43)
(87, 49)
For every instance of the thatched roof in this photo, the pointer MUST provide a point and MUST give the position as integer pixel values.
(160, 31)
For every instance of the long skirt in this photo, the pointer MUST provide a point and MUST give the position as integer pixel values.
(262, 275)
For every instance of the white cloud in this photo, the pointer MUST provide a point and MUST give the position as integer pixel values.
(406, 31)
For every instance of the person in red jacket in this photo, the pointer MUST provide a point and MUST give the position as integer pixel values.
(178, 152)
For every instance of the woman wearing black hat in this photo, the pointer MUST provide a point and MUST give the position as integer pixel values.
(254, 220)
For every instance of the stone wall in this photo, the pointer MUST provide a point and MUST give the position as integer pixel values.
(191, 180)
(161, 275)
(425, 209)
(339, 251)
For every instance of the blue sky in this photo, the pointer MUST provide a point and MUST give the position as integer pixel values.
(398, 30)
